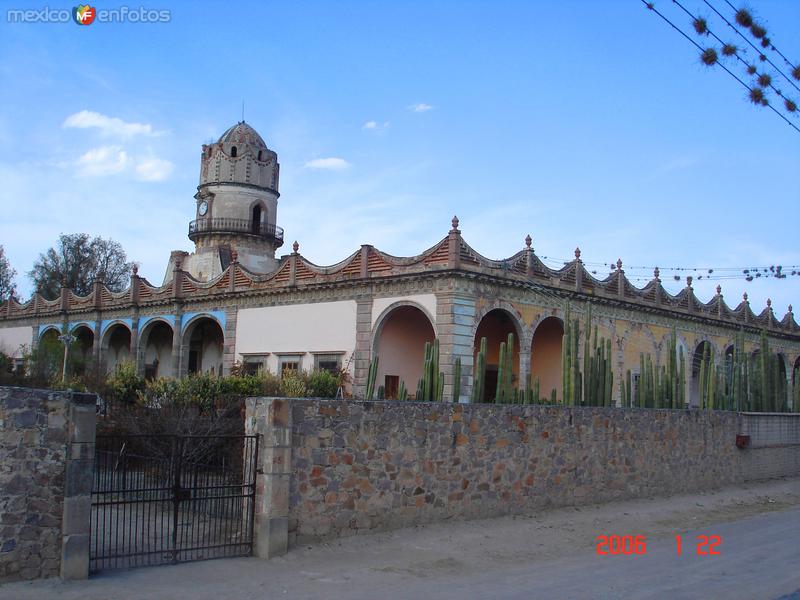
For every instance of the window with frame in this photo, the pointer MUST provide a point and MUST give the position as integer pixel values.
(290, 362)
(253, 364)
(328, 362)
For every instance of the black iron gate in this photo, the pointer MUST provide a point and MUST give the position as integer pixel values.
(164, 499)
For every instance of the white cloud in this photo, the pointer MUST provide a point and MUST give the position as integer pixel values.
(153, 169)
(421, 107)
(109, 126)
(102, 161)
(375, 126)
(331, 164)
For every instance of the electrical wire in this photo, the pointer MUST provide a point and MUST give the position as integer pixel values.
(652, 8)
(753, 46)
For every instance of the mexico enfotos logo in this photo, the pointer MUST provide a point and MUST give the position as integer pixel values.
(85, 14)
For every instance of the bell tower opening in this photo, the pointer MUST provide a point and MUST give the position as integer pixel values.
(255, 223)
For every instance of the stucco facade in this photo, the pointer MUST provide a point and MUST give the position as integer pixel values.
(246, 305)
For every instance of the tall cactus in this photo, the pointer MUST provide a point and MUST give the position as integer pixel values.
(479, 378)
(371, 375)
(457, 380)
(796, 389)
(402, 394)
(501, 374)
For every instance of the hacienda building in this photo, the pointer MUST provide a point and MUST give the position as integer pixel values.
(233, 300)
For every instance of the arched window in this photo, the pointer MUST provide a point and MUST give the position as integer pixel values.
(210, 151)
(260, 152)
(255, 224)
(233, 152)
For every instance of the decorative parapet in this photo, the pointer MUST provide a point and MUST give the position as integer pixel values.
(451, 254)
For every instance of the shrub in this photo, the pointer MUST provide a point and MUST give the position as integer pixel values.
(125, 384)
(293, 384)
(322, 384)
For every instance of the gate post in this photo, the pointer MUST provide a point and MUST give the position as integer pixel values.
(271, 418)
(76, 520)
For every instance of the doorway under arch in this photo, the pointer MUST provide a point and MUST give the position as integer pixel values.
(203, 345)
(399, 344)
(495, 327)
(546, 357)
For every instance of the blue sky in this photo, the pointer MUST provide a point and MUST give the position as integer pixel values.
(583, 123)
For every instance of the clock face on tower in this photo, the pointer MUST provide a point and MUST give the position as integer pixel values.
(203, 208)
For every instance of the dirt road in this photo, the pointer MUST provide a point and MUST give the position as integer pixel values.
(549, 555)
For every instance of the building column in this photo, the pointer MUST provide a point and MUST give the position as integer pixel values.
(97, 342)
(229, 340)
(363, 353)
(455, 317)
(524, 365)
(271, 419)
(179, 365)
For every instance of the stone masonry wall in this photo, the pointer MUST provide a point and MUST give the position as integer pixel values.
(360, 466)
(774, 449)
(46, 454)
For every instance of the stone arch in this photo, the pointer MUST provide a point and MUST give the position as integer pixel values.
(81, 350)
(51, 331)
(155, 349)
(202, 345)
(794, 374)
(115, 345)
(398, 340)
(546, 344)
(495, 323)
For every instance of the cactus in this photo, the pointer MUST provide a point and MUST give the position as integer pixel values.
(628, 389)
(553, 396)
(682, 382)
(480, 374)
(402, 393)
(420, 390)
(381, 392)
(440, 387)
(457, 380)
(797, 389)
(508, 384)
(536, 391)
(501, 373)
(373, 373)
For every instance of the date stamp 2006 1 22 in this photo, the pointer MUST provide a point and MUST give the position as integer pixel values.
(612, 545)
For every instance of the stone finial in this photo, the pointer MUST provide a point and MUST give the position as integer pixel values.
(135, 268)
(619, 264)
(790, 309)
(528, 240)
(689, 279)
(769, 303)
(719, 290)
(454, 223)
(178, 263)
(577, 253)
(656, 273)
(295, 247)
(234, 256)
(744, 296)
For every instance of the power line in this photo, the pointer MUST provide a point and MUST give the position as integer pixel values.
(651, 7)
(753, 46)
(736, 54)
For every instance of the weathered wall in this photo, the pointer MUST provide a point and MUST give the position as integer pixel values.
(305, 329)
(774, 449)
(46, 458)
(380, 465)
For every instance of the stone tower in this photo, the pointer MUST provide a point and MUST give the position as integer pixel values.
(236, 206)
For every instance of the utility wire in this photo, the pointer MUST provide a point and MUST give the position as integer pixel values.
(736, 54)
(753, 46)
(651, 7)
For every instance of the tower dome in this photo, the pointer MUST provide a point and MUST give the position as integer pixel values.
(242, 133)
(237, 203)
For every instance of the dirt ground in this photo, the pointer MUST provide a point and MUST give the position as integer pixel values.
(498, 557)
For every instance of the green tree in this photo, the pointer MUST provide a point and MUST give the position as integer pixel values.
(8, 288)
(76, 261)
